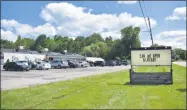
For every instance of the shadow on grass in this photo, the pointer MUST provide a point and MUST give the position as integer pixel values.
(137, 84)
(142, 84)
(181, 90)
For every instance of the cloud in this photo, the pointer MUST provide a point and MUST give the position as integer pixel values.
(69, 20)
(72, 20)
(178, 13)
(176, 39)
(114, 34)
(127, 2)
(26, 30)
(8, 35)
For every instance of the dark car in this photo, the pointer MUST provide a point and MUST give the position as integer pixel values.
(118, 63)
(124, 62)
(32, 65)
(13, 66)
(72, 64)
(99, 63)
(91, 63)
(110, 63)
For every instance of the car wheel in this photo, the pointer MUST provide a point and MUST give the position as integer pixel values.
(40, 68)
(6, 69)
(59, 66)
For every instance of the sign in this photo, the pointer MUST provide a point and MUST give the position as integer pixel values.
(151, 57)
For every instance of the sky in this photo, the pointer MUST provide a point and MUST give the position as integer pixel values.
(82, 18)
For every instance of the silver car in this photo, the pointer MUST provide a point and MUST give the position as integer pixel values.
(59, 64)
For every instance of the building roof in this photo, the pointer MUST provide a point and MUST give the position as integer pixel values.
(23, 51)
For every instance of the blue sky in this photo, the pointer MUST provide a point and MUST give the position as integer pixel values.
(28, 14)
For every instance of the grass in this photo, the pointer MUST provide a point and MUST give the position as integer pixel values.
(110, 90)
(148, 69)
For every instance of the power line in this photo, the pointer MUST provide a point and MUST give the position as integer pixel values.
(149, 28)
(143, 14)
(145, 8)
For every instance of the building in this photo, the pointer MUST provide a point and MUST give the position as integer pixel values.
(28, 55)
(20, 54)
(68, 56)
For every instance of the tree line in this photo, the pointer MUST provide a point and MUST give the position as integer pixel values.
(90, 46)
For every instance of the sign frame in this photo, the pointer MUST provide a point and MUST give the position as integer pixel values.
(151, 77)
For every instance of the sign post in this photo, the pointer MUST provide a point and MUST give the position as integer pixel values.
(151, 56)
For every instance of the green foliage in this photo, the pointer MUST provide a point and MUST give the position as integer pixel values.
(19, 42)
(28, 43)
(94, 38)
(93, 45)
(6, 44)
(179, 54)
(41, 40)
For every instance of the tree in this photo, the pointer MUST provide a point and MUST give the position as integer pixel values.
(19, 42)
(40, 40)
(39, 48)
(7, 44)
(28, 43)
(130, 39)
(181, 53)
(93, 39)
(102, 49)
(50, 44)
(87, 52)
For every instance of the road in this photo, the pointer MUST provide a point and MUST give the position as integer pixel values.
(13, 80)
(180, 63)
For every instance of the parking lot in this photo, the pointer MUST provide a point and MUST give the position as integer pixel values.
(12, 79)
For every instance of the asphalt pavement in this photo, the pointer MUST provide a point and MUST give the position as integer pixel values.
(13, 79)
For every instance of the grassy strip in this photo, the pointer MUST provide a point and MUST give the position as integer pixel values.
(110, 90)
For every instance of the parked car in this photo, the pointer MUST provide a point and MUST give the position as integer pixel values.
(83, 64)
(43, 65)
(32, 65)
(59, 64)
(13, 66)
(72, 64)
(91, 63)
(118, 63)
(124, 62)
(110, 63)
(22, 63)
(99, 63)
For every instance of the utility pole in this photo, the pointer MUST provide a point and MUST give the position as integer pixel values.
(150, 31)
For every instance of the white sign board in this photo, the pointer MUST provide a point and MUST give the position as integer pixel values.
(151, 57)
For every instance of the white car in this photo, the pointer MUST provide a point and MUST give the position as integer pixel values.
(83, 64)
(43, 65)
(59, 64)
